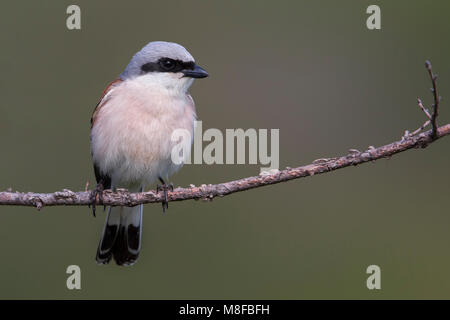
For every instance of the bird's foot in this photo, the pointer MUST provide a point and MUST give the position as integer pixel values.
(97, 192)
(164, 188)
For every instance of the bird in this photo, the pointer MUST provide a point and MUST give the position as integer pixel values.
(131, 144)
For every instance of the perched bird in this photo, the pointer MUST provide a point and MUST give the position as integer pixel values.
(131, 144)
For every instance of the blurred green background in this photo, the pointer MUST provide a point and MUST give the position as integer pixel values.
(311, 69)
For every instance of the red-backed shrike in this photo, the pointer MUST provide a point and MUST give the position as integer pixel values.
(131, 132)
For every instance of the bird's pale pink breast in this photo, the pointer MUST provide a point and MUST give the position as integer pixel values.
(131, 131)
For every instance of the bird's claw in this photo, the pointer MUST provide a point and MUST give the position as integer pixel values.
(164, 188)
(97, 192)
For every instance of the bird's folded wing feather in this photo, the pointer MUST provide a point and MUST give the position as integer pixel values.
(105, 96)
(100, 177)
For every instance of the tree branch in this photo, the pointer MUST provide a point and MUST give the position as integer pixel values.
(122, 197)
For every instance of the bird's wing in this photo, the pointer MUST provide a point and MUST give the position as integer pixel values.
(104, 179)
(105, 96)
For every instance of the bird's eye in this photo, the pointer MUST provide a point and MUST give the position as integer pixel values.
(167, 64)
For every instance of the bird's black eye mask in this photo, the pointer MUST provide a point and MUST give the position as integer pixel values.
(167, 65)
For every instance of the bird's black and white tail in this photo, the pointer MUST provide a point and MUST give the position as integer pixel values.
(121, 237)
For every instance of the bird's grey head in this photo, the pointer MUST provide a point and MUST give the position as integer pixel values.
(163, 57)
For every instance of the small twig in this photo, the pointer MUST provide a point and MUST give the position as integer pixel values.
(419, 102)
(431, 117)
(421, 128)
(436, 100)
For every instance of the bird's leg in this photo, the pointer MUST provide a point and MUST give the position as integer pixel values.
(97, 192)
(165, 188)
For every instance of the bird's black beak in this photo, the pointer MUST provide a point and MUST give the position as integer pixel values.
(197, 73)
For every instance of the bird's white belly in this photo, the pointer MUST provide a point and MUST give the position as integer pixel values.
(131, 140)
